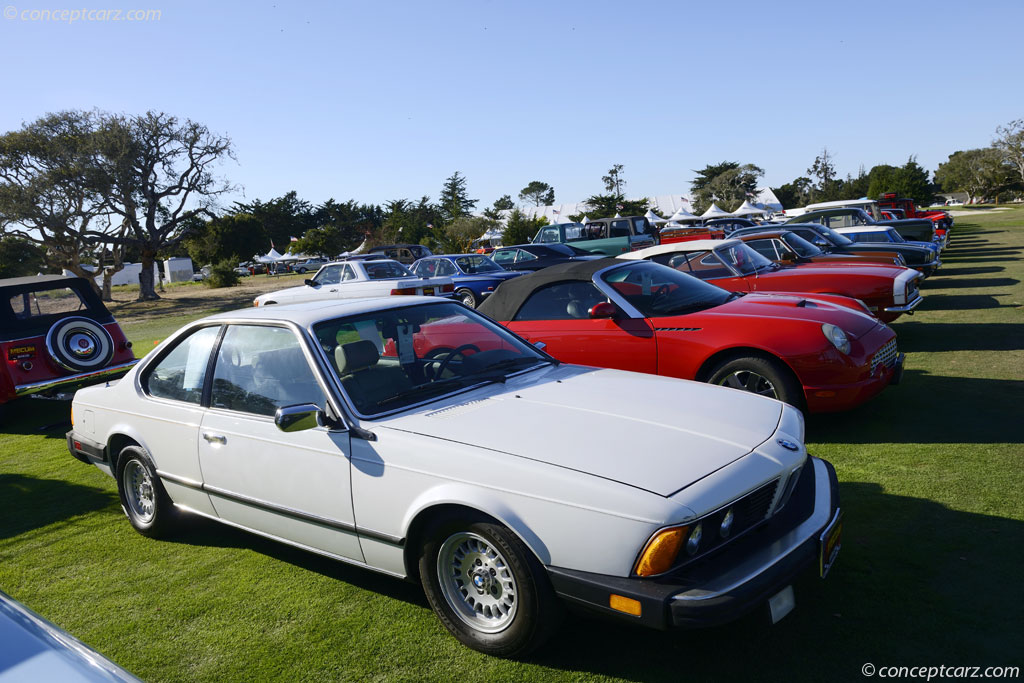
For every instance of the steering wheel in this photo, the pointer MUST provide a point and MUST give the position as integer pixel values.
(460, 351)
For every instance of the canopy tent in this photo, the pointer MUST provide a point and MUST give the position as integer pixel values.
(272, 256)
(654, 218)
(682, 215)
(557, 218)
(585, 219)
(714, 212)
(747, 209)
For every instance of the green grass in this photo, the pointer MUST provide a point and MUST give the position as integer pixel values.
(931, 477)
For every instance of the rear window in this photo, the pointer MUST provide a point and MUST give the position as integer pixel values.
(47, 302)
(384, 270)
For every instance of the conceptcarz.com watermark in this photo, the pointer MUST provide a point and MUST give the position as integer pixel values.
(935, 672)
(71, 16)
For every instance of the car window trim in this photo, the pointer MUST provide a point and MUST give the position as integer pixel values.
(147, 364)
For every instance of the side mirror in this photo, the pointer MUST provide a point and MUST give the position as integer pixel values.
(312, 283)
(299, 417)
(820, 242)
(603, 310)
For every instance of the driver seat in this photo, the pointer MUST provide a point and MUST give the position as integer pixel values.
(364, 379)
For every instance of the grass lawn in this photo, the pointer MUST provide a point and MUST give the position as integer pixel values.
(930, 573)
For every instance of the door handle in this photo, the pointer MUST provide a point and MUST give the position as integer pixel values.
(215, 438)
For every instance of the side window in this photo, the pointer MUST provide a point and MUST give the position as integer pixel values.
(561, 301)
(181, 373)
(765, 247)
(842, 221)
(260, 369)
(421, 268)
(445, 268)
(548, 235)
(504, 256)
(619, 229)
(594, 231)
(329, 275)
(347, 273)
(522, 255)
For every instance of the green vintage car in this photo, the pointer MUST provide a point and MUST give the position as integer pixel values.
(605, 236)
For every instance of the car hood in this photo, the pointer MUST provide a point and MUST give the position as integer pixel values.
(654, 433)
(800, 307)
(827, 269)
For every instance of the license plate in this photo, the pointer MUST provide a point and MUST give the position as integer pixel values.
(831, 541)
(781, 604)
(428, 291)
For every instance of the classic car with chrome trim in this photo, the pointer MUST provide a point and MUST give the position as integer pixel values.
(359, 278)
(785, 246)
(364, 431)
(888, 291)
(884, 234)
(474, 276)
(56, 336)
(920, 259)
(859, 213)
(537, 256)
(821, 352)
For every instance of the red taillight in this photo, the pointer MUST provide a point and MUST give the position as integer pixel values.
(447, 288)
(403, 290)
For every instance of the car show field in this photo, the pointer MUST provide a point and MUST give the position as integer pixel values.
(930, 474)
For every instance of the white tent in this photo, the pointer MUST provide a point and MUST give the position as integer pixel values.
(682, 215)
(585, 219)
(654, 218)
(272, 256)
(617, 215)
(557, 218)
(714, 212)
(747, 209)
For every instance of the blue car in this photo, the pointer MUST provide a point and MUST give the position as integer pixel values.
(475, 276)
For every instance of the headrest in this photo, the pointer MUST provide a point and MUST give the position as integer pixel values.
(677, 260)
(356, 356)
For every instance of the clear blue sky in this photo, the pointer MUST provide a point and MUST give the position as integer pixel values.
(380, 100)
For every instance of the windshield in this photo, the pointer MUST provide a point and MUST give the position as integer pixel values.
(742, 259)
(895, 236)
(873, 211)
(801, 246)
(477, 263)
(398, 357)
(837, 239)
(657, 290)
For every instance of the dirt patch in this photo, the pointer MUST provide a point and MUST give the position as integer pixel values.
(189, 297)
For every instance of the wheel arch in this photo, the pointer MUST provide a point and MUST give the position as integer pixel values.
(734, 352)
(453, 500)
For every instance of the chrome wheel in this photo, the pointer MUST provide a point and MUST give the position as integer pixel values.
(477, 582)
(139, 493)
(747, 380)
(467, 297)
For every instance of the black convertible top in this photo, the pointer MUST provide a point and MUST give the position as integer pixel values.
(510, 294)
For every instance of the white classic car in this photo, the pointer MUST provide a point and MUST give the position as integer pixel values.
(360, 279)
(415, 437)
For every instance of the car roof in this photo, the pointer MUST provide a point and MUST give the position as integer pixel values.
(35, 279)
(309, 312)
(676, 247)
(509, 297)
(863, 228)
(840, 204)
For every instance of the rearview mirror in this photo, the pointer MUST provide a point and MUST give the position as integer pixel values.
(311, 283)
(603, 310)
(299, 417)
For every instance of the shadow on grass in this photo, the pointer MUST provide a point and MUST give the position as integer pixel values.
(29, 416)
(28, 503)
(956, 272)
(969, 283)
(961, 302)
(908, 566)
(938, 337)
(927, 408)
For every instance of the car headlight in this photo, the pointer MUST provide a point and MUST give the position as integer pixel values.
(837, 337)
(661, 551)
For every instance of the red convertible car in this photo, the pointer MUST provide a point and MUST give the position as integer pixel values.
(887, 290)
(823, 353)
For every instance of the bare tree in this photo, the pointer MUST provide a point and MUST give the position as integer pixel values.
(160, 177)
(1010, 143)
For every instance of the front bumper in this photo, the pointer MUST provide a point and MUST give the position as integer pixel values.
(906, 308)
(730, 583)
(74, 381)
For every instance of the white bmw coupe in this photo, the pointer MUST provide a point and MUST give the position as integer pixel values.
(415, 437)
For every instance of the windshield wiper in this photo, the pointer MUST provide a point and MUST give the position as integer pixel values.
(513, 364)
(440, 386)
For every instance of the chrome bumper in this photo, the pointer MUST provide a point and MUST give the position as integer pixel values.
(906, 308)
(109, 372)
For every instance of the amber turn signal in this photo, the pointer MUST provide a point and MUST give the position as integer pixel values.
(661, 551)
(621, 603)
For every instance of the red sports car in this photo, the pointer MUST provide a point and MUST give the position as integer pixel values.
(887, 290)
(825, 352)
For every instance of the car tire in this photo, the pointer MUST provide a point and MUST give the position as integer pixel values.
(759, 375)
(508, 607)
(467, 297)
(300, 271)
(143, 498)
(79, 344)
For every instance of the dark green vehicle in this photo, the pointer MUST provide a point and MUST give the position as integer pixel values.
(606, 236)
(921, 259)
(913, 229)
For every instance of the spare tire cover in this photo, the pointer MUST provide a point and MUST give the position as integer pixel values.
(79, 344)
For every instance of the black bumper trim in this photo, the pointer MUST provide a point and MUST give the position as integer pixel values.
(85, 450)
(691, 600)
